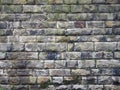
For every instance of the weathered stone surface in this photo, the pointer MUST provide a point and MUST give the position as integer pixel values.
(57, 16)
(57, 80)
(51, 56)
(72, 63)
(59, 45)
(79, 24)
(38, 17)
(63, 87)
(5, 47)
(90, 80)
(19, 1)
(104, 71)
(114, 87)
(118, 47)
(3, 25)
(54, 46)
(83, 8)
(2, 32)
(4, 80)
(84, 46)
(73, 56)
(31, 47)
(18, 87)
(59, 72)
(77, 87)
(3, 72)
(30, 2)
(116, 31)
(86, 55)
(22, 72)
(2, 55)
(103, 16)
(105, 46)
(108, 55)
(13, 8)
(27, 39)
(106, 8)
(90, 31)
(107, 63)
(95, 24)
(55, 1)
(22, 55)
(62, 39)
(61, 8)
(117, 54)
(49, 64)
(112, 24)
(84, 1)
(98, 1)
(38, 25)
(41, 1)
(60, 64)
(86, 63)
(34, 64)
(95, 87)
(43, 79)
(112, 1)
(80, 16)
(42, 39)
(16, 47)
(80, 72)
(13, 39)
(5, 64)
(65, 24)
(6, 2)
(40, 72)
(109, 80)
(31, 8)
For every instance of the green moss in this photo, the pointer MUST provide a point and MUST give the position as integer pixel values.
(23, 1)
(117, 50)
(111, 36)
(1, 88)
(12, 87)
(66, 82)
(45, 84)
(0, 2)
(75, 80)
(108, 50)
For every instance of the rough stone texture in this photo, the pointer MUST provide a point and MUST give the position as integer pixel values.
(59, 44)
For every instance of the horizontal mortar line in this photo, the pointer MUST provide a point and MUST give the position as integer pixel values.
(91, 3)
(52, 12)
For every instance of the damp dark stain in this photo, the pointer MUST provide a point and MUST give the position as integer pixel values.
(86, 55)
(116, 83)
(116, 71)
(9, 32)
(41, 32)
(33, 32)
(79, 24)
(103, 39)
(3, 25)
(51, 56)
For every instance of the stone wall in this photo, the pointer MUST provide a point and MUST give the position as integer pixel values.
(59, 45)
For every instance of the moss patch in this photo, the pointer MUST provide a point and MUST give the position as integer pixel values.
(1, 88)
(45, 84)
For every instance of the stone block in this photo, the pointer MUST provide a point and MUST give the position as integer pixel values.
(2, 55)
(105, 46)
(13, 8)
(84, 46)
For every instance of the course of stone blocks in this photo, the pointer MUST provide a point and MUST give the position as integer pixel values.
(59, 44)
